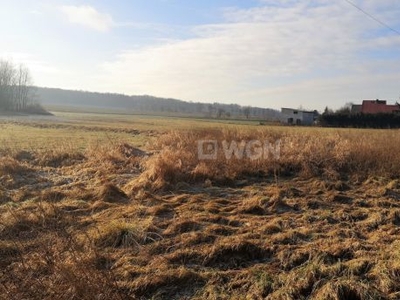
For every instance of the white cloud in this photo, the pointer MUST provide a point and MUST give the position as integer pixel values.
(35, 12)
(88, 16)
(266, 56)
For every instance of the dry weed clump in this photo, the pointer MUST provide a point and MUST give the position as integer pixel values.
(334, 155)
(59, 158)
(12, 167)
(176, 159)
(112, 194)
(124, 234)
(115, 157)
(118, 233)
(52, 155)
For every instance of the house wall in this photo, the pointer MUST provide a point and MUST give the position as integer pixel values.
(297, 117)
(308, 118)
(356, 108)
(292, 116)
(374, 107)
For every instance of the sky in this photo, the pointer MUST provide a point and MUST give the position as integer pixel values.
(265, 53)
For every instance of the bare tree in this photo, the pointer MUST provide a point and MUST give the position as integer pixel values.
(22, 88)
(6, 84)
(15, 86)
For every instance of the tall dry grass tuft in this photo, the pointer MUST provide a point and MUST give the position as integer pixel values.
(12, 167)
(118, 233)
(117, 158)
(124, 234)
(332, 154)
(55, 156)
(176, 159)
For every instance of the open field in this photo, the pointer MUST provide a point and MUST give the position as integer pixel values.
(96, 206)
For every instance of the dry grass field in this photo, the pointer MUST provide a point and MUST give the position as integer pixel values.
(121, 207)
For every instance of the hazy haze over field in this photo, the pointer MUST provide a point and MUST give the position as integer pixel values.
(261, 53)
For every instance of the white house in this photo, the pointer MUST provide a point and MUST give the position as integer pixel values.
(298, 117)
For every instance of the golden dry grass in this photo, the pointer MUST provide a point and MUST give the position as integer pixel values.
(327, 154)
(111, 221)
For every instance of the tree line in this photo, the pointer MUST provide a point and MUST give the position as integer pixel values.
(15, 87)
(149, 105)
(343, 117)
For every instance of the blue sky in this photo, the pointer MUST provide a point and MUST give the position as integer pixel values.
(267, 53)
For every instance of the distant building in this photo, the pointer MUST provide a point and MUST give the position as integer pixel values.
(299, 117)
(375, 107)
(356, 108)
